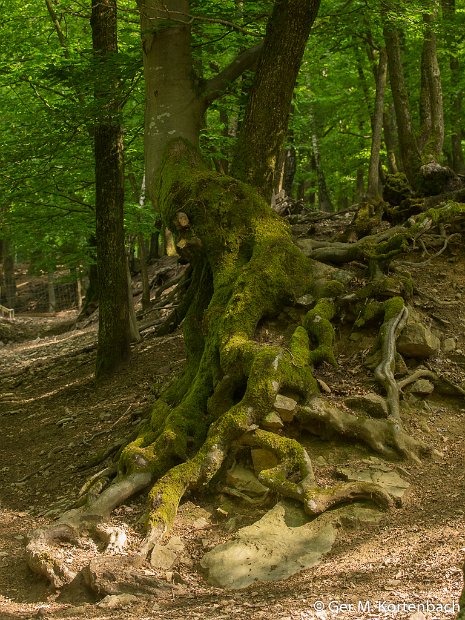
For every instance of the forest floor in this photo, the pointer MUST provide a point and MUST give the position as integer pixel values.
(53, 419)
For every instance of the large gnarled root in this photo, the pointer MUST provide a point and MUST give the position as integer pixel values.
(43, 552)
(385, 436)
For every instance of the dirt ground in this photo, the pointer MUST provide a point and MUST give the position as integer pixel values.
(54, 420)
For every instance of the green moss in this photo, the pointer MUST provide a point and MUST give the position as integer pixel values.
(369, 312)
(392, 308)
(318, 324)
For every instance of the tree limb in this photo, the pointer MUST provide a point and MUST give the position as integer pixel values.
(216, 86)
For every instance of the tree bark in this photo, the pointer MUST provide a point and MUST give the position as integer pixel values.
(409, 151)
(373, 170)
(390, 139)
(431, 106)
(265, 124)
(9, 280)
(113, 339)
(452, 27)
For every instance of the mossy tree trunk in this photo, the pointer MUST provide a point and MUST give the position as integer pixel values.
(113, 336)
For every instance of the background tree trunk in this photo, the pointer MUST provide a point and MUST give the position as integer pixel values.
(431, 107)
(373, 171)
(409, 152)
(113, 337)
(265, 124)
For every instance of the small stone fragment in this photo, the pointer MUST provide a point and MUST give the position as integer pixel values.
(285, 406)
(449, 345)
(324, 387)
(417, 341)
(244, 480)
(369, 404)
(200, 524)
(115, 601)
(272, 422)
(423, 387)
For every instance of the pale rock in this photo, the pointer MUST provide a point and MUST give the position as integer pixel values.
(370, 404)
(245, 481)
(449, 345)
(263, 459)
(164, 557)
(416, 340)
(423, 387)
(272, 422)
(286, 407)
(324, 387)
(116, 601)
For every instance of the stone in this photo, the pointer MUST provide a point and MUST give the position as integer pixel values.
(389, 480)
(416, 340)
(280, 544)
(423, 387)
(324, 387)
(272, 422)
(370, 404)
(449, 345)
(263, 459)
(286, 407)
(277, 546)
(245, 481)
(116, 601)
(200, 524)
(306, 301)
(164, 557)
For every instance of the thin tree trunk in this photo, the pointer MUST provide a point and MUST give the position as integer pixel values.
(114, 337)
(51, 292)
(390, 139)
(324, 199)
(133, 328)
(373, 170)
(409, 152)
(452, 38)
(431, 105)
(9, 279)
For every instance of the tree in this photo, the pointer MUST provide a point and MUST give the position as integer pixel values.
(245, 269)
(114, 338)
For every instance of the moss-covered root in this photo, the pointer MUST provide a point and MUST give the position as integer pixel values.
(294, 477)
(43, 552)
(395, 317)
(318, 324)
(386, 437)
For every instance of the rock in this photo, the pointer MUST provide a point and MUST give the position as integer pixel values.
(306, 301)
(286, 407)
(245, 481)
(115, 601)
(417, 340)
(370, 404)
(280, 544)
(423, 387)
(272, 422)
(164, 557)
(324, 387)
(418, 615)
(200, 524)
(263, 459)
(449, 345)
(389, 480)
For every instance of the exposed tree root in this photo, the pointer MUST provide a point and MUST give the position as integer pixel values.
(245, 269)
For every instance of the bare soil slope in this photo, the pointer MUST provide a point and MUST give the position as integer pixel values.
(54, 420)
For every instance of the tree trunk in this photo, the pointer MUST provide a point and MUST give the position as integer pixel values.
(390, 139)
(409, 152)
(51, 292)
(173, 107)
(452, 37)
(431, 107)
(265, 124)
(113, 338)
(9, 280)
(373, 170)
(324, 198)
